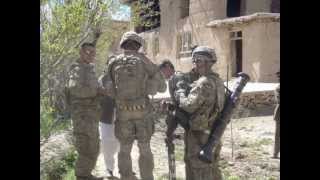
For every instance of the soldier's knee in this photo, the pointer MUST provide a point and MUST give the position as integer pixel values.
(195, 162)
(81, 141)
(145, 130)
(124, 152)
(144, 148)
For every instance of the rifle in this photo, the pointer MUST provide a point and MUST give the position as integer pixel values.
(223, 119)
(172, 122)
(177, 116)
(171, 157)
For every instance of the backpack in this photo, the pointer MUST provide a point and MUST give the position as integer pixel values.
(129, 77)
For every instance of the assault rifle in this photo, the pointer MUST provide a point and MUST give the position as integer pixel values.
(171, 157)
(172, 122)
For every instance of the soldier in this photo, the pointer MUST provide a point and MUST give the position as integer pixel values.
(83, 93)
(277, 120)
(130, 77)
(204, 101)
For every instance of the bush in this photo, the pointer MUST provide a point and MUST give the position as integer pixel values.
(63, 169)
(179, 154)
(50, 121)
(70, 175)
(228, 176)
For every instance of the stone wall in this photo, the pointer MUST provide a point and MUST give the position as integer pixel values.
(250, 104)
(255, 104)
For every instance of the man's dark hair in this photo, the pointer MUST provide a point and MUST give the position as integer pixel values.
(87, 44)
(165, 64)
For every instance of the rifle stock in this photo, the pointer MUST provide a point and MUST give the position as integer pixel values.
(222, 121)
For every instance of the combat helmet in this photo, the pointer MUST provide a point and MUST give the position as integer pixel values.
(205, 53)
(131, 35)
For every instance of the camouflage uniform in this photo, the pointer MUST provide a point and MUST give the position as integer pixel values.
(204, 101)
(131, 77)
(277, 119)
(83, 89)
(170, 118)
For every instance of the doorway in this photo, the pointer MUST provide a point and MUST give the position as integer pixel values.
(236, 52)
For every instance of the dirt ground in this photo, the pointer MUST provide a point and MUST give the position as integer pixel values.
(253, 140)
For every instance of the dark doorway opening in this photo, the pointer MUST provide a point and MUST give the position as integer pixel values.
(236, 52)
(233, 8)
(238, 46)
(275, 6)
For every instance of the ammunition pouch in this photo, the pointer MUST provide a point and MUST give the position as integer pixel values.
(132, 109)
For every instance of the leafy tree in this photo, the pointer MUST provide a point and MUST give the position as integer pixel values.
(64, 26)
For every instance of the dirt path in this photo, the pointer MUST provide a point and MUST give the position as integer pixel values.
(253, 139)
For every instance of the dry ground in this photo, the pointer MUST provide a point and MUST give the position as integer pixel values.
(253, 139)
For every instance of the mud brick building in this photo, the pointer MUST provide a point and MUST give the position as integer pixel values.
(245, 34)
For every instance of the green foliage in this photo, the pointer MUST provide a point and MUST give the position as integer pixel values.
(228, 176)
(179, 154)
(272, 178)
(233, 178)
(166, 176)
(70, 175)
(265, 141)
(64, 26)
(49, 121)
(137, 7)
(63, 168)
